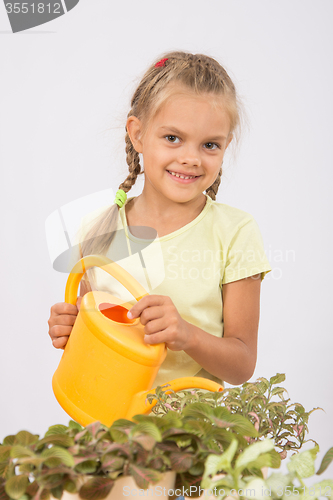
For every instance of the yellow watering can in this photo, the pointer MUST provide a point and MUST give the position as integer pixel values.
(106, 370)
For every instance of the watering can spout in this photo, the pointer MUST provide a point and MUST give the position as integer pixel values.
(140, 404)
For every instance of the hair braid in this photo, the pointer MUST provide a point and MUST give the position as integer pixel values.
(212, 190)
(133, 162)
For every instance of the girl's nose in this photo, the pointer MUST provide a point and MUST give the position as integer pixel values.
(189, 156)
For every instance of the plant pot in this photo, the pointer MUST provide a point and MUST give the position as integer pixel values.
(126, 487)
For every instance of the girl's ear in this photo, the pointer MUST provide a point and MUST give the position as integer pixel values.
(134, 129)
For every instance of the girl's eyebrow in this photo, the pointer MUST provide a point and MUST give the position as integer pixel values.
(176, 131)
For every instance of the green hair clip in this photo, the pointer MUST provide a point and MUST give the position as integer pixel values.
(121, 197)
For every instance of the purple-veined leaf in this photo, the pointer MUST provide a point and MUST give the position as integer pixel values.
(112, 462)
(143, 476)
(96, 488)
(181, 462)
(93, 428)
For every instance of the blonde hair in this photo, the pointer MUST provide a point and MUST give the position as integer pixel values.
(200, 74)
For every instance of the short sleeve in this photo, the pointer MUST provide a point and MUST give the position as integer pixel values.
(246, 255)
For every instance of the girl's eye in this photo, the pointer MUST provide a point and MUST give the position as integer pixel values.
(171, 138)
(210, 145)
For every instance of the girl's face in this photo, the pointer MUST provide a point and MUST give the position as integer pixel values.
(183, 146)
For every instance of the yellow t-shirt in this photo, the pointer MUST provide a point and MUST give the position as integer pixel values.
(221, 245)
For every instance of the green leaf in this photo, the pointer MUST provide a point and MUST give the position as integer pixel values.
(328, 457)
(278, 390)
(5, 452)
(26, 438)
(15, 486)
(19, 451)
(277, 483)
(10, 440)
(147, 442)
(75, 425)
(322, 489)
(262, 384)
(87, 467)
(96, 488)
(302, 464)
(198, 410)
(57, 492)
(265, 460)
(56, 429)
(119, 430)
(56, 439)
(254, 488)
(217, 463)
(147, 428)
(55, 456)
(70, 486)
(253, 452)
(277, 379)
(197, 469)
(143, 477)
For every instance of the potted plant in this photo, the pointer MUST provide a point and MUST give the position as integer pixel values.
(277, 486)
(89, 460)
(187, 430)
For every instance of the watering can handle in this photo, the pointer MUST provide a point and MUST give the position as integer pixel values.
(108, 265)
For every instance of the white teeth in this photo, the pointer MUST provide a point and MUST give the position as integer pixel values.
(183, 176)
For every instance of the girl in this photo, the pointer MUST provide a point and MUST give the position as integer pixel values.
(183, 117)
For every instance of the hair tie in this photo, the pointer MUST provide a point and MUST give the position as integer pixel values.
(160, 63)
(120, 198)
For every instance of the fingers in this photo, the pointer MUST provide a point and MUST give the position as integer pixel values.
(61, 323)
(156, 325)
(147, 302)
(151, 313)
(78, 302)
(60, 343)
(63, 308)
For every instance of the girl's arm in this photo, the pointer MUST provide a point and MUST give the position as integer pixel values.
(232, 357)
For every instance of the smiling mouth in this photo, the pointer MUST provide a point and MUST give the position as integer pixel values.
(181, 176)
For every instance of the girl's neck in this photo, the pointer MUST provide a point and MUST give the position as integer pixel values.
(164, 217)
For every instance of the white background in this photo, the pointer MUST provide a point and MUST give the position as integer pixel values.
(65, 89)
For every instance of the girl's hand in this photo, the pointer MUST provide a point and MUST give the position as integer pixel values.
(162, 322)
(61, 322)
